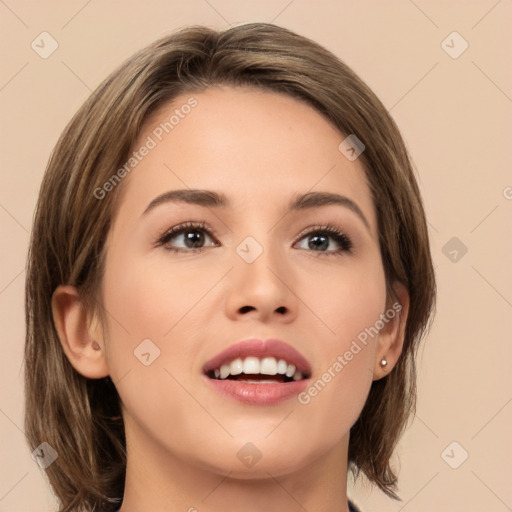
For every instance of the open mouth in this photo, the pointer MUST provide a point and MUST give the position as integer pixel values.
(257, 370)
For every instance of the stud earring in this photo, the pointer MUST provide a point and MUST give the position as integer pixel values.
(383, 363)
(95, 345)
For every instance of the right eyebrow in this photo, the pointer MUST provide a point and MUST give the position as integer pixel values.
(207, 198)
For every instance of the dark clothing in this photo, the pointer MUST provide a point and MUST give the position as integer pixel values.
(352, 507)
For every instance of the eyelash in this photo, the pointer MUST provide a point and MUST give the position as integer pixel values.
(340, 238)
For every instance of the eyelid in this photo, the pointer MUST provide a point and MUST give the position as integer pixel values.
(200, 225)
(334, 232)
(345, 242)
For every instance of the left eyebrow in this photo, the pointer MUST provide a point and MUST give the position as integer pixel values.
(317, 199)
(211, 199)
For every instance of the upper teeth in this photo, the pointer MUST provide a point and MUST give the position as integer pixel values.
(254, 365)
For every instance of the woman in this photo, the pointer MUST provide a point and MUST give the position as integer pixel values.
(228, 278)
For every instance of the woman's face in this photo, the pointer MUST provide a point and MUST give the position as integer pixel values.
(254, 269)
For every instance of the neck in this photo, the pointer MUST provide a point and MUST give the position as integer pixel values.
(158, 480)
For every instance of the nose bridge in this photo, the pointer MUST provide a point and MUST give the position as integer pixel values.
(259, 278)
(259, 260)
(259, 251)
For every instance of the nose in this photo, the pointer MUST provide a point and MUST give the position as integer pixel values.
(261, 290)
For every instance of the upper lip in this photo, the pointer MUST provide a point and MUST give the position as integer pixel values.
(260, 348)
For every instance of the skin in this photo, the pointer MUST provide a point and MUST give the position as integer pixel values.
(259, 148)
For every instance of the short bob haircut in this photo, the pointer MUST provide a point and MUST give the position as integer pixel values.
(81, 418)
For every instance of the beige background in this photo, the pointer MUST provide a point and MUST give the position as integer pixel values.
(455, 114)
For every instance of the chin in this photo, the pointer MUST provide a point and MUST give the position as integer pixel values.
(248, 460)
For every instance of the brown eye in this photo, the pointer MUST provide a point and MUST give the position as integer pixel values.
(187, 237)
(319, 239)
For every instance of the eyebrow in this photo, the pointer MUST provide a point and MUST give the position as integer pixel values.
(211, 199)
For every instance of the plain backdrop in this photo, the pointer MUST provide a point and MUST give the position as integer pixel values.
(443, 71)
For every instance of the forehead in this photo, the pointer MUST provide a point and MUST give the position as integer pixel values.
(257, 147)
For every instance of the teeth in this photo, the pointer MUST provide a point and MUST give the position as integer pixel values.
(290, 370)
(237, 367)
(282, 366)
(254, 366)
(224, 371)
(251, 365)
(268, 366)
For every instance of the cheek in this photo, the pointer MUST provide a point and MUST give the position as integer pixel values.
(149, 350)
(349, 306)
(156, 313)
(153, 299)
(345, 300)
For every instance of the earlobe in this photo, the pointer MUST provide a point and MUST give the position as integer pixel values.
(85, 352)
(392, 335)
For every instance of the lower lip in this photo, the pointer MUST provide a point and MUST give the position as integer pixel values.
(258, 394)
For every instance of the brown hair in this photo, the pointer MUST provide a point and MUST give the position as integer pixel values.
(81, 418)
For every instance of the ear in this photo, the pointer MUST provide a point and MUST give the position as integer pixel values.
(391, 336)
(82, 346)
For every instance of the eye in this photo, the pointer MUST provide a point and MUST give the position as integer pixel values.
(193, 237)
(319, 239)
(188, 237)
